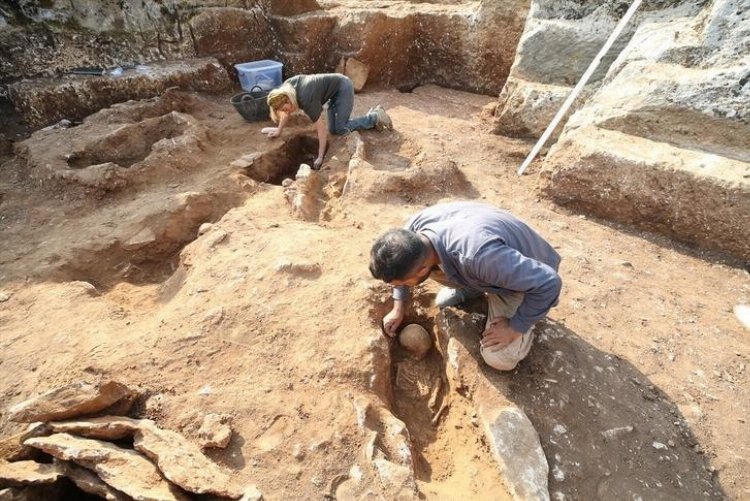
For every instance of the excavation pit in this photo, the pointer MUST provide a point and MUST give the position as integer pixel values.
(129, 144)
(283, 161)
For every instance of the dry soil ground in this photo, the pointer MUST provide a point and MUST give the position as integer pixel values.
(275, 320)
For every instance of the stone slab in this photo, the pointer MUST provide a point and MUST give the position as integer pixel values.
(123, 469)
(77, 399)
(699, 198)
(183, 463)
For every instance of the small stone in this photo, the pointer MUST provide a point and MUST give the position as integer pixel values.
(613, 433)
(4, 296)
(252, 494)
(659, 446)
(670, 443)
(204, 228)
(559, 429)
(241, 163)
(141, 239)
(215, 432)
(215, 238)
(298, 452)
(558, 473)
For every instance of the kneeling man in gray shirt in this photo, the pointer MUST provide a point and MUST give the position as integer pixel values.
(474, 249)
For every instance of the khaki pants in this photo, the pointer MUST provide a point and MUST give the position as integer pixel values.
(505, 306)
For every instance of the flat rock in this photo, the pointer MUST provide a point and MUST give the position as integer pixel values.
(77, 399)
(183, 463)
(87, 481)
(123, 469)
(141, 239)
(215, 431)
(515, 444)
(103, 428)
(12, 447)
(28, 473)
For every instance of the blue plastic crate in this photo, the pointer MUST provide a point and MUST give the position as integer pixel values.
(265, 74)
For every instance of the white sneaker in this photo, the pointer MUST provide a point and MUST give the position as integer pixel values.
(451, 297)
(384, 121)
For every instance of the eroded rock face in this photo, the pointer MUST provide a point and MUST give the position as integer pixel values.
(123, 469)
(662, 144)
(44, 102)
(460, 45)
(78, 399)
(539, 84)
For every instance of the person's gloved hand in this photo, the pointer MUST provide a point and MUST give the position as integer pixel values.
(317, 164)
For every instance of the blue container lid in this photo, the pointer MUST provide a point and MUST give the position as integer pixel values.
(265, 64)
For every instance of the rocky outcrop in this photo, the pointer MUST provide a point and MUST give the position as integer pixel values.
(466, 46)
(123, 469)
(538, 84)
(662, 144)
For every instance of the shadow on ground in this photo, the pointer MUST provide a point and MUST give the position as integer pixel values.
(606, 430)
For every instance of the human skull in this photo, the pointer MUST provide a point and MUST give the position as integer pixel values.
(416, 340)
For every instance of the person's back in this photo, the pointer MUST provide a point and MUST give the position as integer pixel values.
(313, 91)
(462, 231)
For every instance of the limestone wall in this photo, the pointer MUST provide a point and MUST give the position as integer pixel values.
(663, 142)
(468, 45)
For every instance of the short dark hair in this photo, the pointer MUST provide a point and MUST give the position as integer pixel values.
(396, 254)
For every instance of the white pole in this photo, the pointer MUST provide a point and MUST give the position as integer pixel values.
(581, 83)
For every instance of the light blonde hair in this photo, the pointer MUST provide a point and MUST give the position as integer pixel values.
(279, 97)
